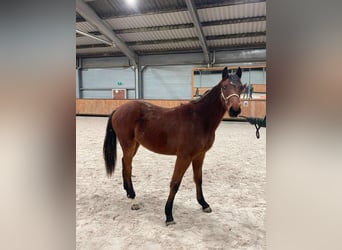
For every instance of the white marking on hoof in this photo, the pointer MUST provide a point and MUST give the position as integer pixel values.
(168, 223)
(207, 210)
(135, 205)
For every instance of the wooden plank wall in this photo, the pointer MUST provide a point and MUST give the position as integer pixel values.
(259, 88)
(254, 108)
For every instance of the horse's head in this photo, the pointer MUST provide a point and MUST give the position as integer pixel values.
(231, 88)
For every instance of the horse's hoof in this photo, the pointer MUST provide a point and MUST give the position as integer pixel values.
(135, 207)
(207, 210)
(168, 223)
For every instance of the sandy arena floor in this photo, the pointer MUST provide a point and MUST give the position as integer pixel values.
(234, 175)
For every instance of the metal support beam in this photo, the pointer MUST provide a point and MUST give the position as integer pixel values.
(234, 21)
(238, 35)
(137, 85)
(177, 40)
(195, 19)
(163, 52)
(138, 80)
(78, 81)
(141, 77)
(95, 37)
(78, 77)
(155, 28)
(89, 14)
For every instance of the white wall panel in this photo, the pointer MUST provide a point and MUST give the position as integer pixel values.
(97, 83)
(167, 82)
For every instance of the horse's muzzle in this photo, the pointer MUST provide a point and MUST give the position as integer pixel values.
(234, 113)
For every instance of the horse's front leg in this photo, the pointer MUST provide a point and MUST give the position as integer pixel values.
(182, 164)
(197, 164)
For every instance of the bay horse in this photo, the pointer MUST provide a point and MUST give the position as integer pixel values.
(187, 131)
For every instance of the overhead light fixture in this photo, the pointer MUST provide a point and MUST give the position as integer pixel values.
(131, 2)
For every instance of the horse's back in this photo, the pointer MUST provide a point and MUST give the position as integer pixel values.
(136, 110)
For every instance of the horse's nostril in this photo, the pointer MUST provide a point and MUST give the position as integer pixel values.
(234, 113)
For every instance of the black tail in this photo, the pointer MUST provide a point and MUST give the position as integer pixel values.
(109, 147)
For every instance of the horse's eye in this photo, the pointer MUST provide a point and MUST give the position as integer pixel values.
(224, 87)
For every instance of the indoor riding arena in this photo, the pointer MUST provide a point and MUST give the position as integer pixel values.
(187, 80)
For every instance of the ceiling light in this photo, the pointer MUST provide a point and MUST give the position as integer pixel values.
(131, 2)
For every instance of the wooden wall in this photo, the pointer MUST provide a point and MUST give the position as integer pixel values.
(259, 88)
(253, 108)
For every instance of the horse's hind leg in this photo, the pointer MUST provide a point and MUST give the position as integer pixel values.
(128, 154)
(197, 164)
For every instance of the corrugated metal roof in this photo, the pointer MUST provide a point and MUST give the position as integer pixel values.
(84, 40)
(159, 35)
(107, 8)
(236, 41)
(234, 11)
(150, 20)
(235, 28)
(101, 50)
(168, 46)
(85, 27)
(156, 25)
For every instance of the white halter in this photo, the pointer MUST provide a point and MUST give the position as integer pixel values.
(226, 99)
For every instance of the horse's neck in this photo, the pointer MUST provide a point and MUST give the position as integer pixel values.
(210, 108)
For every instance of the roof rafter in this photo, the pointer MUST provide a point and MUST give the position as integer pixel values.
(237, 35)
(234, 21)
(156, 28)
(89, 14)
(79, 32)
(189, 39)
(195, 19)
(257, 45)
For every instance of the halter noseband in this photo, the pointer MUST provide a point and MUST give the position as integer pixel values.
(226, 99)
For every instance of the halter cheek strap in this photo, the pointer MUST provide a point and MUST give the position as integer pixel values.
(226, 99)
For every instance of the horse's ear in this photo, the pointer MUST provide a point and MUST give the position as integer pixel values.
(225, 73)
(239, 72)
